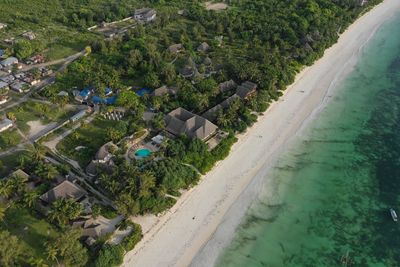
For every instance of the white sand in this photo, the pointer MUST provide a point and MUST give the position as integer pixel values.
(216, 6)
(176, 238)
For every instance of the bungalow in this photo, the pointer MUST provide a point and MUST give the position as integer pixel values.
(66, 190)
(203, 47)
(175, 48)
(164, 90)
(145, 15)
(103, 159)
(180, 121)
(9, 62)
(31, 80)
(246, 90)
(19, 87)
(2, 25)
(5, 124)
(227, 86)
(94, 228)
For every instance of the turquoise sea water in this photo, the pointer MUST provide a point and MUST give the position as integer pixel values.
(333, 188)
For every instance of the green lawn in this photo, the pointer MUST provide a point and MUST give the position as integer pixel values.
(92, 136)
(33, 111)
(31, 231)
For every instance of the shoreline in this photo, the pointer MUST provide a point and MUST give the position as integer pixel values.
(175, 238)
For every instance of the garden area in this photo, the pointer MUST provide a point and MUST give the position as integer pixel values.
(38, 114)
(9, 139)
(83, 144)
(31, 232)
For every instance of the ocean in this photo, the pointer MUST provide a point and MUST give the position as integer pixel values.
(332, 189)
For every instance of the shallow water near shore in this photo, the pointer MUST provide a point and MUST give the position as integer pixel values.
(334, 186)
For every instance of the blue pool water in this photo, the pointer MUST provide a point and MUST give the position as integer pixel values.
(144, 152)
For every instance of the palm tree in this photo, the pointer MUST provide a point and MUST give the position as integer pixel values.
(52, 253)
(38, 153)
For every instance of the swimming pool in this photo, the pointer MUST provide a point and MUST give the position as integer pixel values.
(142, 153)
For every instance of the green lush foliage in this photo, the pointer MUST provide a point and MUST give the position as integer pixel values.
(110, 256)
(133, 238)
(11, 251)
(63, 210)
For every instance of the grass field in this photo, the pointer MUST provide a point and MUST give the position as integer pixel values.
(33, 111)
(32, 232)
(91, 136)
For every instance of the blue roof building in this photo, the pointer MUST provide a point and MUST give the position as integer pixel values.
(2, 52)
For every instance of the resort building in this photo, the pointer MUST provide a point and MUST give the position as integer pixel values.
(175, 48)
(203, 47)
(29, 35)
(7, 79)
(227, 86)
(246, 90)
(164, 90)
(180, 121)
(212, 113)
(5, 124)
(2, 25)
(67, 190)
(145, 15)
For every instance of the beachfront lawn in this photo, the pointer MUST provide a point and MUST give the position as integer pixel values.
(89, 136)
(31, 231)
(36, 111)
(9, 139)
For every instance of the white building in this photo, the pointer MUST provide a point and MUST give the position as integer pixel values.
(145, 15)
(2, 25)
(5, 125)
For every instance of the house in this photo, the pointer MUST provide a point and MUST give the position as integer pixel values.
(203, 47)
(180, 121)
(20, 75)
(66, 190)
(246, 90)
(2, 52)
(37, 59)
(227, 86)
(4, 86)
(63, 94)
(8, 79)
(2, 25)
(175, 48)
(164, 90)
(145, 15)
(31, 80)
(5, 124)
(3, 99)
(29, 35)
(158, 139)
(19, 87)
(20, 173)
(188, 72)
(9, 61)
(78, 116)
(94, 228)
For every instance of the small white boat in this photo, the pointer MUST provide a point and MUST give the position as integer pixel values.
(393, 214)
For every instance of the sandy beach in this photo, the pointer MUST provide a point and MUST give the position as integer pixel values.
(189, 233)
